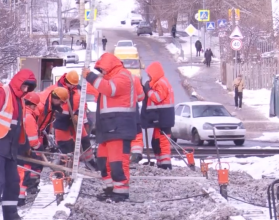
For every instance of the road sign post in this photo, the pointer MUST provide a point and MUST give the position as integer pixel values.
(87, 14)
(236, 44)
(191, 30)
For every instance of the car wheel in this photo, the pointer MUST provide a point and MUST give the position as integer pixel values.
(55, 43)
(196, 138)
(239, 142)
(151, 34)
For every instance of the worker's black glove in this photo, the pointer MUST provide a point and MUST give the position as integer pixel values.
(146, 87)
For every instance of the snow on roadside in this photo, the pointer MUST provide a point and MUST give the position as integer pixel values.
(254, 166)
(269, 136)
(173, 49)
(189, 71)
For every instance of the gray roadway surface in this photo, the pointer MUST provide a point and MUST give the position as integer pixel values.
(151, 50)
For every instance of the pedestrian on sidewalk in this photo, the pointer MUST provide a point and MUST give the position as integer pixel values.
(238, 85)
(198, 46)
(173, 31)
(207, 55)
(104, 42)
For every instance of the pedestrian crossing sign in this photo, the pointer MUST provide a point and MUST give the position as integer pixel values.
(222, 23)
(204, 15)
(210, 26)
(87, 14)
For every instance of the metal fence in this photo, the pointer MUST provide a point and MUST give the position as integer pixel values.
(257, 75)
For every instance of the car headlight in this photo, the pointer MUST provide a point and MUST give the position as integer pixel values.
(241, 125)
(207, 126)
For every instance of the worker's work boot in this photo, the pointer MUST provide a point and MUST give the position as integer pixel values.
(118, 197)
(165, 166)
(135, 158)
(108, 190)
(21, 202)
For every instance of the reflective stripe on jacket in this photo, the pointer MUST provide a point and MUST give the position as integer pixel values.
(116, 107)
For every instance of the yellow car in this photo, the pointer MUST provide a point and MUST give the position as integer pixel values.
(130, 58)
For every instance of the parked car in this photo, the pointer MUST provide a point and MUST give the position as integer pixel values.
(64, 52)
(144, 28)
(194, 121)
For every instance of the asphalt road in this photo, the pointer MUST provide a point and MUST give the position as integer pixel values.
(152, 50)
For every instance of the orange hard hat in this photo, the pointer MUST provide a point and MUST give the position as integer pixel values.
(33, 98)
(72, 77)
(61, 93)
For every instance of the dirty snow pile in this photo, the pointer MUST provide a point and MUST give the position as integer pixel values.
(149, 199)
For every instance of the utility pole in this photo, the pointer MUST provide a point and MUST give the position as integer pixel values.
(31, 18)
(59, 16)
(81, 16)
(83, 92)
(204, 25)
(235, 55)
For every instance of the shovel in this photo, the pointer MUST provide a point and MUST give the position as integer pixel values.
(150, 163)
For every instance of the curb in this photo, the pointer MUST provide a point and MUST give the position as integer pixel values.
(187, 86)
(63, 212)
(217, 198)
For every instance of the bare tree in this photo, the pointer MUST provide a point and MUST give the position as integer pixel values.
(14, 43)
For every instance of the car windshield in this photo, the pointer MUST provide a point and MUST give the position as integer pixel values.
(131, 64)
(209, 111)
(125, 44)
(62, 49)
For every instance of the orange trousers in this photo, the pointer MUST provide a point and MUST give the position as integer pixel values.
(23, 188)
(162, 147)
(137, 144)
(113, 160)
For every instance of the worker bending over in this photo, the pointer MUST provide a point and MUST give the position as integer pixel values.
(116, 124)
(12, 133)
(64, 124)
(29, 180)
(158, 113)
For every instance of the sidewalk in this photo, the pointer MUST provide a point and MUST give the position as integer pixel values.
(204, 83)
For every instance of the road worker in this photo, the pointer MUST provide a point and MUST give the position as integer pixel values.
(12, 133)
(64, 125)
(28, 179)
(50, 102)
(137, 144)
(158, 113)
(116, 124)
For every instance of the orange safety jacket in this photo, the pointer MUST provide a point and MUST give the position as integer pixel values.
(46, 114)
(158, 106)
(6, 115)
(32, 128)
(116, 106)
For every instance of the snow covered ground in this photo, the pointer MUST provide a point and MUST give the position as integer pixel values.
(115, 12)
(189, 71)
(254, 166)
